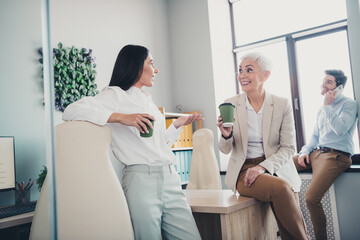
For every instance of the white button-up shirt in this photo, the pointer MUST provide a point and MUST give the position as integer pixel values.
(255, 140)
(127, 145)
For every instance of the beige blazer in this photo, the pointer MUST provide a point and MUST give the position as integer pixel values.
(278, 140)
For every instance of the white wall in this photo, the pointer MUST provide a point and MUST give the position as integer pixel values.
(203, 70)
(192, 62)
(347, 203)
(353, 12)
(104, 26)
(347, 185)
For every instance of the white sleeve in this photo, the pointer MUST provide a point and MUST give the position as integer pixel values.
(171, 134)
(94, 109)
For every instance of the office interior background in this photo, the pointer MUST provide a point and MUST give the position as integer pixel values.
(196, 45)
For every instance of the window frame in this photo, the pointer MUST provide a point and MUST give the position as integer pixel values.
(291, 39)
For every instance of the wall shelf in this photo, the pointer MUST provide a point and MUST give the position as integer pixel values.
(182, 149)
(170, 114)
(183, 154)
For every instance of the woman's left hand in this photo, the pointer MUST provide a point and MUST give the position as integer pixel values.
(252, 174)
(185, 120)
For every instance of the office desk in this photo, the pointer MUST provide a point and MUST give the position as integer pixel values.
(219, 214)
(16, 220)
(16, 227)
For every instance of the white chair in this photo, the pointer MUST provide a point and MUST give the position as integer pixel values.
(204, 168)
(90, 200)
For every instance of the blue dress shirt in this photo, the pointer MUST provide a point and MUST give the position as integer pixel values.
(335, 126)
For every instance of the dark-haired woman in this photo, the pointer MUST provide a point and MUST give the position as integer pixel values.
(151, 185)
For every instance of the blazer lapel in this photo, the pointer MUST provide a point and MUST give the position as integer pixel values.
(242, 117)
(267, 116)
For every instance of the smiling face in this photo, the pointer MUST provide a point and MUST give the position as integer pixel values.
(147, 76)
(328, 84)
(251, 77)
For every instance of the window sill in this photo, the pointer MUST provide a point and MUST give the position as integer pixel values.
(355, 167)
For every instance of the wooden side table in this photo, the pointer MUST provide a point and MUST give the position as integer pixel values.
(219, 214)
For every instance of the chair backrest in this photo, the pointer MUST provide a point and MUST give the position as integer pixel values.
(204, 168)
(90, 200)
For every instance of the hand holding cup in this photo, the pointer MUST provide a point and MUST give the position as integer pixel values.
(150, 130)
(227, 114)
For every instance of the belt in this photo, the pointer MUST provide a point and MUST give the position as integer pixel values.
(149, 168)
(255, 160)
(326, 149)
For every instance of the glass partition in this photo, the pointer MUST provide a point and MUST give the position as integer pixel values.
(21, 90)
(22, 93)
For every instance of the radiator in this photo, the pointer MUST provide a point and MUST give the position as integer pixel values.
(329, 206)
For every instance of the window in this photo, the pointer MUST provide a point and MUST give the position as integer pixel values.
(279, 81)
(332, 55)
(302, 39)
(255, 20)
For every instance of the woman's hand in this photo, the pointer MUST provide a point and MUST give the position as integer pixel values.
(225, 131)
(185, 120)
(252, 174)
(138, 120)
(304, 160)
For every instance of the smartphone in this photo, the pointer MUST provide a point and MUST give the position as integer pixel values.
(339, 89)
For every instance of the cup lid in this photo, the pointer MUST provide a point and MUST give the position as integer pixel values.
(223, 104)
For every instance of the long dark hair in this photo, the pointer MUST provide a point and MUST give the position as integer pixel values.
(128, 66)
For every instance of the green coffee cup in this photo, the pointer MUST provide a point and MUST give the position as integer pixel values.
(227, 113)
(149, 129)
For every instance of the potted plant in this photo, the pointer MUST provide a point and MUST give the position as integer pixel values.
(74, 75)
(41, 177)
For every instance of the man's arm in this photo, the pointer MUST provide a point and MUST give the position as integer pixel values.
(341, 124)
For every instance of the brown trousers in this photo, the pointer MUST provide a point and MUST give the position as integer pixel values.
(283, 200)
(326, 167)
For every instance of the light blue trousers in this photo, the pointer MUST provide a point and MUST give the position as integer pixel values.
(157, 204)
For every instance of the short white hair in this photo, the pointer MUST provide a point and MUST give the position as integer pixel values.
(262, 60)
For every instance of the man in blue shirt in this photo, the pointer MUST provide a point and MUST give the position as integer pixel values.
(330, 147)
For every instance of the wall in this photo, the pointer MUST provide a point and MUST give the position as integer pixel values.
(353, 12)
(347, 185)
(105, 26)
(347, 203)
(191, 56)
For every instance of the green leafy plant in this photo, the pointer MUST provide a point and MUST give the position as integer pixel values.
(74, 75)
(41, 177)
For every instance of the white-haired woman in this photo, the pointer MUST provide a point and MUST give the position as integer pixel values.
(262, 143)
